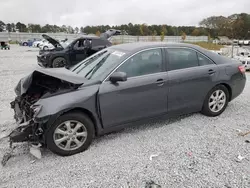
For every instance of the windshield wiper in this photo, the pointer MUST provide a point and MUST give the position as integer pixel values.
(90, 60)
(96, 67)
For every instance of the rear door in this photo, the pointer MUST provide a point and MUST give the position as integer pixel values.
(143, 95)
(98, 44)
(191, 76)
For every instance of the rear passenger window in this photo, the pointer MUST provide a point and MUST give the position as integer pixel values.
(181, 58)
(203, 60)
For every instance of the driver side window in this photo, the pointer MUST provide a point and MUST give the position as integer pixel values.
(79, 45)
(143, 63)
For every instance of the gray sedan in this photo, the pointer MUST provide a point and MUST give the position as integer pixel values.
(120, 86)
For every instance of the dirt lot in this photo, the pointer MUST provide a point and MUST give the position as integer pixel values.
(191, 151)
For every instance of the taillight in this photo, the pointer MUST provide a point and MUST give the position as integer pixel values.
(242, 69)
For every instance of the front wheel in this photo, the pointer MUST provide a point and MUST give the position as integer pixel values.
(59, 62)
(72, 133)
(216, 101)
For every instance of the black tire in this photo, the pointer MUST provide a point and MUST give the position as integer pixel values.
(206, 110)
(25, 44)
(45, 47)
(74, 116)
(59, 62)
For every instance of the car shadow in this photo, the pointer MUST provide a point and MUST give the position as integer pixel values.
(142, 126)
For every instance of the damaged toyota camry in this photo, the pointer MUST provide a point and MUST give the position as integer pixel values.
(64, 109)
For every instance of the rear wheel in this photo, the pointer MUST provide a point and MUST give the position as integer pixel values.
(59, 62)
(72, 133)
(45, 48)
(25, 44)
(216, 101)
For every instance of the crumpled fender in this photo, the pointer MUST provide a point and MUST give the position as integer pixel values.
(84, 97)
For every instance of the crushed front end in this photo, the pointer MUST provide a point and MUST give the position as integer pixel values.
(28, 129)
(40, 84)
(24, 113)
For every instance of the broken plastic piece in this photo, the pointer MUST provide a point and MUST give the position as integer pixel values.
(7, 155)
(153, 156)
(240, 158)
(244, 134)
(152, 184)
(5, 158)
(35, 150)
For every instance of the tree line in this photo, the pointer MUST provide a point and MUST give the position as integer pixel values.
(234, 26)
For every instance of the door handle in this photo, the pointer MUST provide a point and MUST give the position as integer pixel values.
(211, 71)
(159, 82)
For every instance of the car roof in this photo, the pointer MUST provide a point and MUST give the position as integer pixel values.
(88, 37)
(137, 46)
(131, 48)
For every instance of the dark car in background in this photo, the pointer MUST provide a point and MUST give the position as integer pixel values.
(69, 53)
(63, 109)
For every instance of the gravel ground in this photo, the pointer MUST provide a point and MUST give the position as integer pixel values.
(192, 151)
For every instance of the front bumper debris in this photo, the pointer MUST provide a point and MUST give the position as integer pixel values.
(23, 133)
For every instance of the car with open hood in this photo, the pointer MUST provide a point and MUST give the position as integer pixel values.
(64, 109)
(68, 53)
(46, 44)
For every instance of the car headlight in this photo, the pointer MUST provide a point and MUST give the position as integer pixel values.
(36, 109)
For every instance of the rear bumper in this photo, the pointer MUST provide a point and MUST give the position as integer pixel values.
(238, 86)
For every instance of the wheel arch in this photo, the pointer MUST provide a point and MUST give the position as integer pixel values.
(228, 88)
(86, 112)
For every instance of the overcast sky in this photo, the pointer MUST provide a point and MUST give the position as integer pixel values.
(116, 12)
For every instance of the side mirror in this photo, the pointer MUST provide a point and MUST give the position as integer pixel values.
(118, 77)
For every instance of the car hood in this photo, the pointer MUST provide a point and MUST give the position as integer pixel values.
(59, 73)
(51, 40)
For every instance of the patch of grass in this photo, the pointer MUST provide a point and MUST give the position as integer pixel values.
(207, 45)
(13, 42)
(116, 43)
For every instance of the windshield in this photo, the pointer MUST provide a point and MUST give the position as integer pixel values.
(65, 44)
(97, 64)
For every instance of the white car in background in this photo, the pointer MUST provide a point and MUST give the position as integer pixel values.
(246, 42)
(36, 44)
(244, 57)
(246, 63)
(46, 45)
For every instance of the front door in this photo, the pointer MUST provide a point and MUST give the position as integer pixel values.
(143, 95)
(191, 76)
(78, 52)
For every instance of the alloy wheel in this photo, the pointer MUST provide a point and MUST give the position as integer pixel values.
(70, 135)
(217, 101)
